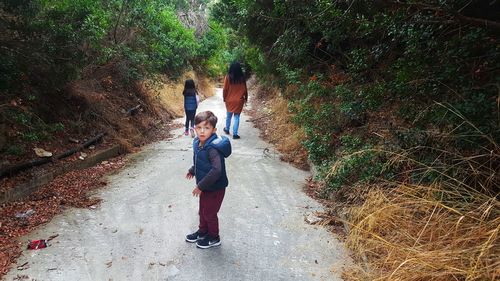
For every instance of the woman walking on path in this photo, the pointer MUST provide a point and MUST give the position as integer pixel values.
(235, 95)
(190, 105)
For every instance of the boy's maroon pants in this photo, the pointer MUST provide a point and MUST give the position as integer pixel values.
(210, 202)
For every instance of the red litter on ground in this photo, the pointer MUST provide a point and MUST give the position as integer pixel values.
(37, 244)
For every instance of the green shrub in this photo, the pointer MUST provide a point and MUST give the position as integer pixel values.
(15, 150)
(360, 167)
(56, 39)
(350, 61)
(212, 51)
(33, 136)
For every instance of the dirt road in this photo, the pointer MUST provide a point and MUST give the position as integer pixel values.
(138, 231)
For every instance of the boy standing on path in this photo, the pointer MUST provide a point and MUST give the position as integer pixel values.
(211, 180)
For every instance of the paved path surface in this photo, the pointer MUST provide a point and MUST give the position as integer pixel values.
(137, 233)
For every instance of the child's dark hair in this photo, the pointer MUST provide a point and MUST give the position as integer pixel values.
(206, 116)
(189, 88)
(189, 84)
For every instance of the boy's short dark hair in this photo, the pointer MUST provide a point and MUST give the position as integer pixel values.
(206, 116)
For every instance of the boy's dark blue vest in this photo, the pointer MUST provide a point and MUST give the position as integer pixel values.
(202, 164)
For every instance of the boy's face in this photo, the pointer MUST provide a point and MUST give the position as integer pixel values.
(204, 130)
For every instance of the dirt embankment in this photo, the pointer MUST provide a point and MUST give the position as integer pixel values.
(270, 114)
(129, 114)
(169, 94)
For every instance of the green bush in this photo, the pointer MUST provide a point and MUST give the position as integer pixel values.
(56, 39)
(425, 68)
(361, 167)
(211, 50)
(15, 150)
(33, 136)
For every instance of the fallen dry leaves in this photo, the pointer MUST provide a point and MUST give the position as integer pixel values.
(68, 190)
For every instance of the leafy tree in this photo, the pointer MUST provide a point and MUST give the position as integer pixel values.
(44, 44)
(436, 61)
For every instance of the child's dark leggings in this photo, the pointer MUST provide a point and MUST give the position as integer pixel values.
(210, 202)
(190, 118)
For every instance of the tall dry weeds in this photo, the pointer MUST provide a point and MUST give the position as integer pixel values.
(275, 121)
(418, 232)
(446, 229)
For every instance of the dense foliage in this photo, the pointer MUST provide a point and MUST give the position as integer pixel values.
(378, 76)
(49, 42)
(214, 47)
(44, 44)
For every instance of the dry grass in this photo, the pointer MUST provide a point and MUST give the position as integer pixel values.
(417, 232)
(169, 93)
(273, 118)
(289, 135)
(446, 230)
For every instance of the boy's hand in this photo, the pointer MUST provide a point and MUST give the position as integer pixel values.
(196, 192)
(189, 176)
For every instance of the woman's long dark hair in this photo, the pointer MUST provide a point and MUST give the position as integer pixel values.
(189, 88)
(235, 73)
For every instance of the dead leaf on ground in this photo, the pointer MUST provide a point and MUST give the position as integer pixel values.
(40, 152)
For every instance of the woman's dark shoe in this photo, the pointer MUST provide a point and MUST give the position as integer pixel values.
(235, 137)
(226, 131)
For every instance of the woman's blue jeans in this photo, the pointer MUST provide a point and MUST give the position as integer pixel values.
(236, 124)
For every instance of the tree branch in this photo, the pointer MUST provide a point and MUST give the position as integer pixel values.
(10, 170)
(456, 15)
(118, 21)
(479, 22)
